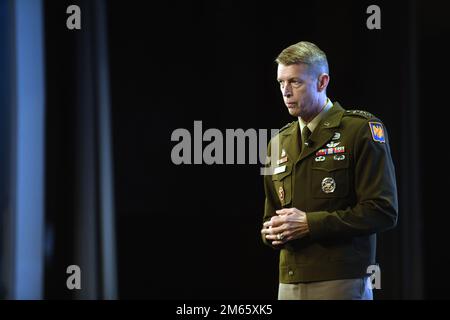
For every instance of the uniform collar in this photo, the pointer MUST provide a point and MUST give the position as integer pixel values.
(315, 122)
(323, 132)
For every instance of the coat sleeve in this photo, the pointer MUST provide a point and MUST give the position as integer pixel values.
(271, 203)
(376, 206)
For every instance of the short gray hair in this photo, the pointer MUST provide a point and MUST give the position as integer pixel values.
(307, 53)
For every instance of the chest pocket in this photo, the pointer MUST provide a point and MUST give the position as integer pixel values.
(283, 186)
(330, 178)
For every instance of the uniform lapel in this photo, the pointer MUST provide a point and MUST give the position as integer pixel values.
(324, 130)
(290, 141)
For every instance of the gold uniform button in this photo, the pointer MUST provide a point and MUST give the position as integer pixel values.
(291, 273)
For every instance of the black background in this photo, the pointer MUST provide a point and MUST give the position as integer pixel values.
(192, 231)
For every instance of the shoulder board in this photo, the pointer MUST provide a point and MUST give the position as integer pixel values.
(360, 113)
(287, 126)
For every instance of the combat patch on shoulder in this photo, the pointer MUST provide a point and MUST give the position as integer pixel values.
(377, 132)
(359, 113)
(287, 126)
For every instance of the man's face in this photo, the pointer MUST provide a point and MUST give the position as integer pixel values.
(299, 88)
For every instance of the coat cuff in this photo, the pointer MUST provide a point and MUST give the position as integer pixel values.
(316, 225)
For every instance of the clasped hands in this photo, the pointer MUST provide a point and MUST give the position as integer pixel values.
(288, 224)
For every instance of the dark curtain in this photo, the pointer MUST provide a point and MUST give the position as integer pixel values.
(80, 208)
(6, 100)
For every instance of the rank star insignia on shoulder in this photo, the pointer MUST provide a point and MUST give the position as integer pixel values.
(360, 113)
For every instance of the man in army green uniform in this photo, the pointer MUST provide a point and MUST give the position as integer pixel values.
(331, 189)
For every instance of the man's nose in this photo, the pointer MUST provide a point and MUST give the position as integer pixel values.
(287, 92)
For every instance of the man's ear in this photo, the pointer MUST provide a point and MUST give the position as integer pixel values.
(323, 81)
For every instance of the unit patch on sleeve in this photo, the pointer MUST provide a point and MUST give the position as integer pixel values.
(377, 132)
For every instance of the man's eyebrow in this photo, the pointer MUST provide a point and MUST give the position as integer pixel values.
(289, 79)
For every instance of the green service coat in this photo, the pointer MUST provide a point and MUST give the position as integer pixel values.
(347, 190)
